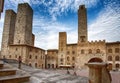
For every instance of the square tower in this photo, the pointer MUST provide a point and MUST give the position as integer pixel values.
(8, 31)
(82, 24)
(23, 25)
(62, 48)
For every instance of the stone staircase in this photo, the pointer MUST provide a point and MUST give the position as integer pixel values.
(10, 75)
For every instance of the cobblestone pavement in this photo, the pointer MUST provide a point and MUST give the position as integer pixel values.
(115, 75)
(61, 76)
(52, 76)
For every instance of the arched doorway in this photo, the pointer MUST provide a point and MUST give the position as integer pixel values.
(52, 65)
(48, 66)
(95, 60)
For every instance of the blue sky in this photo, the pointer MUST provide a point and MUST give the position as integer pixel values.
(53, 16)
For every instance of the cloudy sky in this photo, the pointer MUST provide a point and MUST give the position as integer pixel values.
(54, 16)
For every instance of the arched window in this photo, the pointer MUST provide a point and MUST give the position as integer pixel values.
(109, 50)
(82, 51)
(90, 51)
(68, 58)
(98, 51)
(117, 58)
(109, 58)
(117, 65)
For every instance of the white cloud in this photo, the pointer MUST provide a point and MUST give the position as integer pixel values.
(62, 6)
(107, 24)
(47, 33)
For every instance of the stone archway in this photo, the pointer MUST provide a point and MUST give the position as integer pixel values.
(95, 60)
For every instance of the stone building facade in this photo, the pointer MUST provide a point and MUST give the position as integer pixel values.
(52, 59)
(85, 51)
(18, 39)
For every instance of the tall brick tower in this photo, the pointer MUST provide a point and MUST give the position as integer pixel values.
(82, 24)
(8, 31)
(23, 25)
(62, 48)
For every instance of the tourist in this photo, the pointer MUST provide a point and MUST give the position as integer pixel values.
(19, 62)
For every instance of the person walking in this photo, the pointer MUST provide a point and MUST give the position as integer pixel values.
(4, 59)
(19, 62)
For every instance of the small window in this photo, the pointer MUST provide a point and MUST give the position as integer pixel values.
(73, 58)
(15, 56)
(98, 51)
(61, 49)
(109, 58)
(68, 52)
(73, 52)
(82, 7)
(117, 58)
(9, 56)
(61, 60)
(35, 64)
(68, 58)
(61, 63)
(30, 57)
(35, 57)
(90, 51)
(82, 38)
(19, 41)
(116, 50)
(82, 51)
(109, 50)
(16, 49)
(117, 65)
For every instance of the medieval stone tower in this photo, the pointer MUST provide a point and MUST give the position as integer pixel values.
(8, 31)
(17, 28)
(82, 24)
(62, 47)
(23, 25)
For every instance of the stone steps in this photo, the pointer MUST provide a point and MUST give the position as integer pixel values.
(1, 65)
(7, 72)
(14, 79)
(10, 75)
